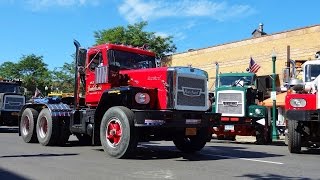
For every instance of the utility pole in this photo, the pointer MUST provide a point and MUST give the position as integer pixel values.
(275, 135)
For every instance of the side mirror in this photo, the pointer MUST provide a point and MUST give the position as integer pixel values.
(286, 75)
(260, 95)
(82, 57)
(158, 62)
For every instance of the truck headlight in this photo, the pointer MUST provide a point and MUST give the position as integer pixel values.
(258, 111)
(298, 102)
(142, 98)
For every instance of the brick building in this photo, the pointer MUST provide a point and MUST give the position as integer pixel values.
(234, 56)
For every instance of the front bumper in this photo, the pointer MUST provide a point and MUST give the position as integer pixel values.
(9, 117)
(303, 115)
(169, 118)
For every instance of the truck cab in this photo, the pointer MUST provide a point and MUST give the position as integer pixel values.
(11, 101)
(237, 98)
(302, 106)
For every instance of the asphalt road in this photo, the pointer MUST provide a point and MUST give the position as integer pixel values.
(154, 160)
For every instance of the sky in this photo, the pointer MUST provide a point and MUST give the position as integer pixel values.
(48, 27)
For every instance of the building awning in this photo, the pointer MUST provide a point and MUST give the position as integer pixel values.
(280, 100)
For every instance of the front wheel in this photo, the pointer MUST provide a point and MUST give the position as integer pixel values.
(294, 137)
(263, 134)
(118, 135)
(191, 144)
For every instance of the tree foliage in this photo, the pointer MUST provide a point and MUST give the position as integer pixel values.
(135, 36)
(63, 77)
(34, 72)
(8, 70)
(30, 69)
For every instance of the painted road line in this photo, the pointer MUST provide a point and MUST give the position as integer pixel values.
(245, 159)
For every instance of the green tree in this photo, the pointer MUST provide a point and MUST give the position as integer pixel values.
(8, 70)
(63, 77)
(135, 36)
(34, 72)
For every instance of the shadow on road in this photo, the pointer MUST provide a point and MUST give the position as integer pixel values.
(152, 152)
(76, 143)
(5, 174)
(9, 129)
(227, 152)
(271, 176)
(38, 155)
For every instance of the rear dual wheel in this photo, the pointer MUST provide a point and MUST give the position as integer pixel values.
(47, 130)
(51, 131)
(27, 125)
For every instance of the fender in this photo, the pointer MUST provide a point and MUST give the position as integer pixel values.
(253, 114)
(56, 110)
(124, 96)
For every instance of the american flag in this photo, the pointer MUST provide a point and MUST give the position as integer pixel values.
(253, 66)
(37, 92)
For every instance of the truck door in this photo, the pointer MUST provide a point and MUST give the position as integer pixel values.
(96, 76)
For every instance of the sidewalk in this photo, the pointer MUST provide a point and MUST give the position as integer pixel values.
(252, 140)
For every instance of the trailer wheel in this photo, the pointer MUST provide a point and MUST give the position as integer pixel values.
(118, 135)
(27, 125)
(47, 129)
(191, 144)
(294, 137)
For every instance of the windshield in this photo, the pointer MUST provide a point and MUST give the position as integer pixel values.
(129, 60)
(236, 80)
(312, 71)
(6, 88)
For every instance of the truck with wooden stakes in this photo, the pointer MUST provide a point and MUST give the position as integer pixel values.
(125, 99)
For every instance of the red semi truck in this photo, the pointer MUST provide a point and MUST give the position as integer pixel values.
(302, 106)
(125, 99)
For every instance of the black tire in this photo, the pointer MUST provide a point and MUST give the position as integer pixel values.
(263, 134)
(84, 139)
(27, 125)
(115, 119)
(294, 137)
(191, 144)
(47, 129)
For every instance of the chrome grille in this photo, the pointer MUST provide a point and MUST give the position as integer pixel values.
(13, 102)
(230, 103)
(191, 92)
(101, 75)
